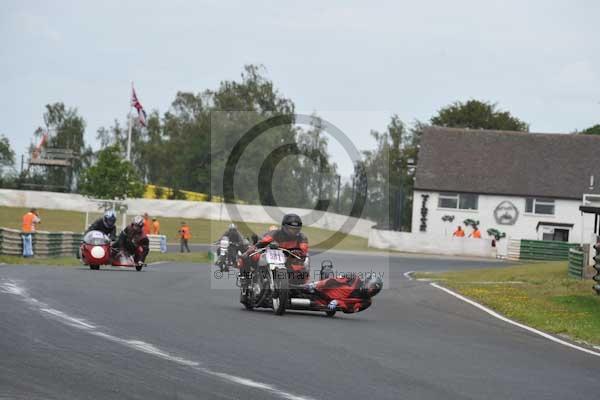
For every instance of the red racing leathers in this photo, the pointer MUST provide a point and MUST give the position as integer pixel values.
(287, 241)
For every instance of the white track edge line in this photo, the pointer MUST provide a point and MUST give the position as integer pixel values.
(510, 321)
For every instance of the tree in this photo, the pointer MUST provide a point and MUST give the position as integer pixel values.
(7, 159)
(389, 178)
(592, 130)
(66, 131)
(111, 177)
(7, 155)
(475, 114)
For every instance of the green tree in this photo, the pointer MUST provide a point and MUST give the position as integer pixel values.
(111, 177)
(7, 160)
(592, 130)
(390, 177)
(7, 155)
(66, 131)
(475, 114)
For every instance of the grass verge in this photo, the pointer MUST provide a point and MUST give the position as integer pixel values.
(537, 294)
(203, 230)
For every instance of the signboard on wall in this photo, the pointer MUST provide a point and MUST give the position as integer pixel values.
(506, 213)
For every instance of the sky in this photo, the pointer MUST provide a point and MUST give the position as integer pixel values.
(353, 62)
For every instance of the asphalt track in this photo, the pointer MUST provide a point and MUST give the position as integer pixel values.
(169, 332)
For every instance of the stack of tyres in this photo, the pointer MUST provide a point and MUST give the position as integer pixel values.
(597, 266)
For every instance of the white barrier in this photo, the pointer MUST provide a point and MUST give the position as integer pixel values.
(190, 209)
(431, 244)
(158, 243)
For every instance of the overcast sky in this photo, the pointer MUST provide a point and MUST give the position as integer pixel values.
(540, 60)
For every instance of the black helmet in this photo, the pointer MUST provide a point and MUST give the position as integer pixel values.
(372, 285)
(109, 218)
(291, 224)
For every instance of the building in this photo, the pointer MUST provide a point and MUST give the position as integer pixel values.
(527, 185)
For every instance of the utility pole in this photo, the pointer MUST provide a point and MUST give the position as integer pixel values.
(337, 204)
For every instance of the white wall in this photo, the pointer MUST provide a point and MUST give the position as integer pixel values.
(188, 209)
(565, 211)
(415, 242)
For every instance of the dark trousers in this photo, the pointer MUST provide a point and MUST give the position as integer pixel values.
(184, 244)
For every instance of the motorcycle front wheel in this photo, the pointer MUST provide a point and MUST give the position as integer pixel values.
(282, 292)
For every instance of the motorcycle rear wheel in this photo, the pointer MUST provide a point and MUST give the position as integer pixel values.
(94, 267)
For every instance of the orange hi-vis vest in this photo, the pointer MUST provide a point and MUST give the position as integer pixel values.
(28, 225)
(155, 228)
(185, 232)
(147, 226)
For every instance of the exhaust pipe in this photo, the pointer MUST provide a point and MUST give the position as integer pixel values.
(305, 303)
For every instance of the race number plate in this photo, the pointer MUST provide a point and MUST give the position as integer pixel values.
(275, 257)
(96, 235)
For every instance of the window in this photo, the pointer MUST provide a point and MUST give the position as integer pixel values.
(448, 200)
(539, 206)
(462, 201)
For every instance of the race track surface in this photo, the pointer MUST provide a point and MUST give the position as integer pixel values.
(168, 333)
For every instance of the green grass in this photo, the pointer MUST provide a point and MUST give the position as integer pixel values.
(537, 294)
(196, 257)
(203, 230)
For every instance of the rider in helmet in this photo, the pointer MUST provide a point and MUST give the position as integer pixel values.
(235, 239)
(105, 224)
(288, 236)
(134, 241)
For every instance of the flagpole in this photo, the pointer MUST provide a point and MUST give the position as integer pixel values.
(129, 136)
(129, 130)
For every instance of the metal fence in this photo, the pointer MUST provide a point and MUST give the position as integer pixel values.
(545, 250)
(575, 263)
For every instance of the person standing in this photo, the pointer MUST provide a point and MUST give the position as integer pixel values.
(459, 232)
(184, 235)
(147, 224)
(30, 220)
(476, 234)
(155, 226)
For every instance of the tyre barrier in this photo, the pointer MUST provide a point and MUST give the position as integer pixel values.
(44, 244)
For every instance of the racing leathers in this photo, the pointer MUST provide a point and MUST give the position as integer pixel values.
(99, 225)
(296, 242)
(135, 242)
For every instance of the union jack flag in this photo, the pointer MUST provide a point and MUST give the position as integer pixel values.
(138, 106)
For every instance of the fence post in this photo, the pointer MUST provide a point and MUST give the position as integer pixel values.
(597, 265)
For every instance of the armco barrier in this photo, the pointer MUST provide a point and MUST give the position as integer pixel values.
(575, 263)
(545, 250)
(45, 244)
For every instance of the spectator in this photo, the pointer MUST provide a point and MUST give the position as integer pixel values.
(147, 224)
(185, 235)
(30, 220)
(476, 234)
(459, 232)
(155, 226)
